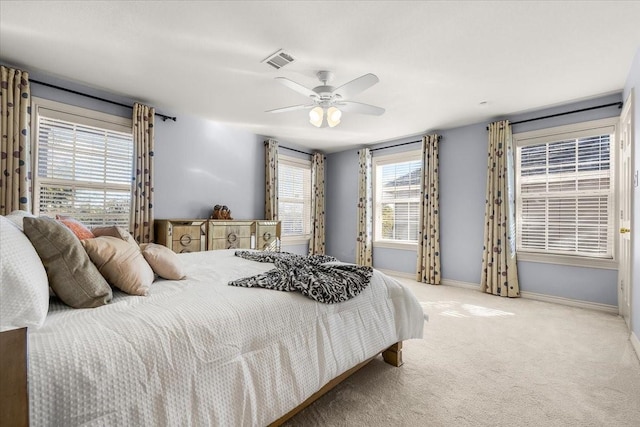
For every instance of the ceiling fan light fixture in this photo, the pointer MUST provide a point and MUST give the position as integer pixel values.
(315, 116)
(333, 116)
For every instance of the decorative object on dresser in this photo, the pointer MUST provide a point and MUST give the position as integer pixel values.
(182, 235)
(193, 235)
(221, 212)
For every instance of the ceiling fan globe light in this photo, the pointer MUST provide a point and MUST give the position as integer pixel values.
(315, 116)
(333, 116)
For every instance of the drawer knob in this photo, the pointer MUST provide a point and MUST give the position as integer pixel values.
(266, 235)
(232, 237)
(185, 240)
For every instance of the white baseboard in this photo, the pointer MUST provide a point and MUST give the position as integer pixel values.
(528, 295)
(541, 297)
(571, 302)
(402, 274)
(459, 284)
(635, 343)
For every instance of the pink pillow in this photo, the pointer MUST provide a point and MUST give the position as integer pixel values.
(78, 228)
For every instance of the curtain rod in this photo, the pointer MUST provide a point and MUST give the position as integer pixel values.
(619, 104)
(297, 151)
(162, 116)
(400, 145)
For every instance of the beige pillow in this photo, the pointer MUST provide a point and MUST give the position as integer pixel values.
(121, 263)
(164, 262)
(114, 231)
(72, 275)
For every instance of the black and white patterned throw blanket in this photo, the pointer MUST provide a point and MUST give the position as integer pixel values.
(308, 274)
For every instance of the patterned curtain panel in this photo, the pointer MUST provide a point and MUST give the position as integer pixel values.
(271, 180)
(316, 244)
(428, 268)
(15, 125)
(365, 221)
(141, 224)
(499, 269)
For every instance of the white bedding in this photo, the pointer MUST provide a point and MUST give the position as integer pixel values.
(200, 352)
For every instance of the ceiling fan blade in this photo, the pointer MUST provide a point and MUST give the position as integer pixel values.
(297, 87)
(292, 108)
(354, 87)
(360, 108)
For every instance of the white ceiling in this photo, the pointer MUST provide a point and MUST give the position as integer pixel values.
(437, 61)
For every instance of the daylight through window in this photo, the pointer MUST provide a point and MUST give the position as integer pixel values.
(397, 180)
(84, 168)
(294, 196)
(565, 195)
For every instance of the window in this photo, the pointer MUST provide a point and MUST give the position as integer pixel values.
(84, 163)
(565, 191)
(294, 197)
(396, 185)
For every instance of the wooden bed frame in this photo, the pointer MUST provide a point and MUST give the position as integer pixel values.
(392, 355)
(14, 397)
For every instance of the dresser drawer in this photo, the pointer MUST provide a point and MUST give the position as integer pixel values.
(267, 233)
(182, 236)
(185, 234)
(184, 246)
(229, 234)
(230, 243)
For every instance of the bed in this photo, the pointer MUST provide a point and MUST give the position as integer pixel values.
(199, 352)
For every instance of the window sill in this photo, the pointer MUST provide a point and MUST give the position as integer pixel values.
(406, 246)
(295, 240)
(574, 261)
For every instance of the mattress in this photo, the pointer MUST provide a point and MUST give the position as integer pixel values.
(200, 352)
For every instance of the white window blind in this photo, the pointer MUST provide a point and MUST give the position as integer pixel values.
(397, 197)
(294, 196)
(83, 171)
(565, 196)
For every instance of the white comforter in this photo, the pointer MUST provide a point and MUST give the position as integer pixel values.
(199, 352)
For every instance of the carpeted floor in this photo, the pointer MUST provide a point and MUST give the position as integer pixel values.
(491, 361)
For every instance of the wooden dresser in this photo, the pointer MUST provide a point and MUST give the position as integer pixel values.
(193, 235)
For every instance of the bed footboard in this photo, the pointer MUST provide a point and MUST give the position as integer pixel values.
(393, 355)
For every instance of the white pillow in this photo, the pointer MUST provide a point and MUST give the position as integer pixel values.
(24, 287)
(17, 218)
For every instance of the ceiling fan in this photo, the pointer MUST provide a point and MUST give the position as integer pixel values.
(329, 101)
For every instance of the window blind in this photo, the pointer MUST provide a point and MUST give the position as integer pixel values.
(83, 171)
(565, 197)
(398, 200)
(294, 197)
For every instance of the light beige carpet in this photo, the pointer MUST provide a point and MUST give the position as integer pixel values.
(491, 361)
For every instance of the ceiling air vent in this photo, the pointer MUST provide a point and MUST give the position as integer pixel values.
(278, 59)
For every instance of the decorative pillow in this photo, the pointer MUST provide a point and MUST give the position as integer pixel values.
(79, 229)
(72, 275)
(114, 231)
(24, 289)
(121, 263)
(17, 216)
(164, 262)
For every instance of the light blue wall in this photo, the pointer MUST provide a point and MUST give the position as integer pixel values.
(463, 166)
(341, 204)
(198, 162)
(633, 83)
